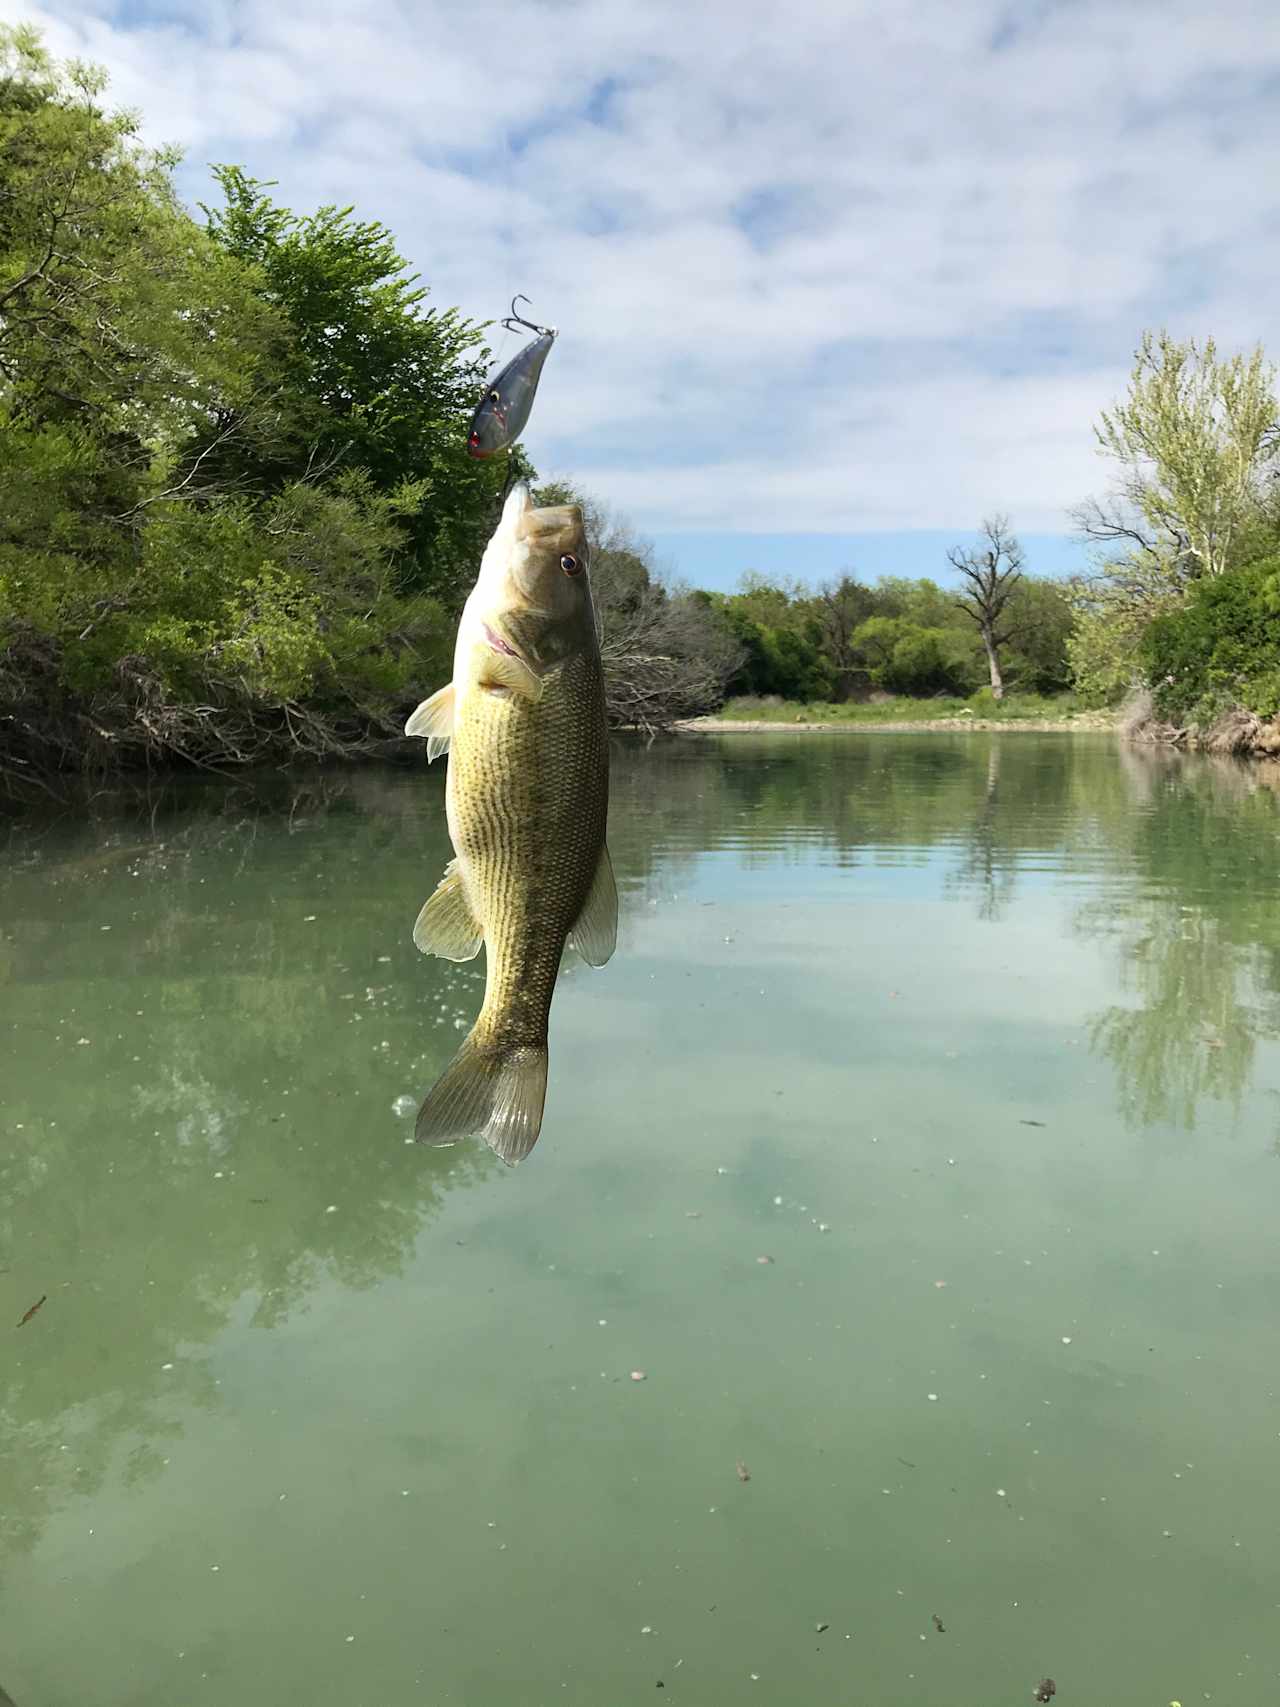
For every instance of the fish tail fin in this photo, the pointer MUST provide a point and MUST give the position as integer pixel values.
(495, 1092)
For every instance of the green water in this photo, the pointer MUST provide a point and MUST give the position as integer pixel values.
(975, 1039)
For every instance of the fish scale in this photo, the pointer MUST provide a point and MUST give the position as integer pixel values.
(540, 775)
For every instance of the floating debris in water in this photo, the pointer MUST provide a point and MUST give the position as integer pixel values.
(31, 1312)
(821, 1627)
(938, 1625)
(404, 1106)
(744, 1475)
(764, 1259)
(638, 1375)
(1031, 1123)
(1045, 1690)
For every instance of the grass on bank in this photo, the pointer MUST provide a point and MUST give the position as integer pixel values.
(1014, 708)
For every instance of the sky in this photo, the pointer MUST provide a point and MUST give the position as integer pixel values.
(833, 280)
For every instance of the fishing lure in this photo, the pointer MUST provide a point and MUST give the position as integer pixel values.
(502, 411)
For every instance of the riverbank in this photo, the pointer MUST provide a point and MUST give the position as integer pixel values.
(1237, 733)
(898, 718)
(1029, 726)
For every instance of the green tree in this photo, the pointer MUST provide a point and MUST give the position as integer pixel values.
(1191, 440)
(239, 511)
(374, 379)
(841, 607)
(1042, 620)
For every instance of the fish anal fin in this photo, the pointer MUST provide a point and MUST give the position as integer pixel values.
(434, 719)
(595, 934)
(446, 925)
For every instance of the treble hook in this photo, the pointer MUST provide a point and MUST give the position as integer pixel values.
(513, 320)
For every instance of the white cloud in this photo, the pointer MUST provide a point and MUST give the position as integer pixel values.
(968, 211)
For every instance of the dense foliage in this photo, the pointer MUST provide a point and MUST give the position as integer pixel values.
(1220, 648)
(897, 636)
(237, 494)
(1192, 512)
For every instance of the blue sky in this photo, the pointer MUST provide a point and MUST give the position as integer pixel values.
(834, 280)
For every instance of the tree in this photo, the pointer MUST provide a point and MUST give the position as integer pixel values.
(233, 458)
(992, 574)
(375, 379)
(1192, 439)
(842, 606)
(1042, 620)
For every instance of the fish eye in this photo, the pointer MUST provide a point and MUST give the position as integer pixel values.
(569, 563)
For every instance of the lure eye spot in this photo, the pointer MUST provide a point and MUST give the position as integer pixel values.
(494, 397)
(569, 563)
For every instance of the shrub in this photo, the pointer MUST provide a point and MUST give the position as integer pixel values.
(1221, 647)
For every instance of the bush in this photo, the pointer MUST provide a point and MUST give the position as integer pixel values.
(1220, 648)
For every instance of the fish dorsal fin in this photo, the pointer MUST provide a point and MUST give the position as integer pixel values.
(446, 925)
(595, 934)
(434, 719)
(503, 670)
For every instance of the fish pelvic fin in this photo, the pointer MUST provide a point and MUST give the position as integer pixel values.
(495, 1093)
(447, 926)
(595, 934)
(434, 719)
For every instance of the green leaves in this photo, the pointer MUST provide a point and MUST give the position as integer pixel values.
(1191, 438)
(1220, 648)
(239, 511)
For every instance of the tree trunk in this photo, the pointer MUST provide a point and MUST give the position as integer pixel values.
(993, 658)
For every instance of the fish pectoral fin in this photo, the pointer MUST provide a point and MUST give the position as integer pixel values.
(434, 719)
(595, 934)
(503, 670)
(446, 925)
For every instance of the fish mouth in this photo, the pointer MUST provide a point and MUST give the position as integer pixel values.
(498, 644)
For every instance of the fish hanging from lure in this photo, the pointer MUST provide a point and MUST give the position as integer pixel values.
(504, 408)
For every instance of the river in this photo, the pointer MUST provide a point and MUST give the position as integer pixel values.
(919, 1149)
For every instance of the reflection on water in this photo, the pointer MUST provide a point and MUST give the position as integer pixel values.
(907, 996)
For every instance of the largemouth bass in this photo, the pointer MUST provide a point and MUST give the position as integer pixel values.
(527, 798)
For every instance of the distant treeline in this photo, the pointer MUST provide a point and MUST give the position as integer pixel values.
(239, 519)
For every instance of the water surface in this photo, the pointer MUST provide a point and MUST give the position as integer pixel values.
(975, 1039)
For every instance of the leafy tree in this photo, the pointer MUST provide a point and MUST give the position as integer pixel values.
(374, 379)
(1042, 620)
(1191, 439)
(232, 456)
(903, 656)
(842, 606)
